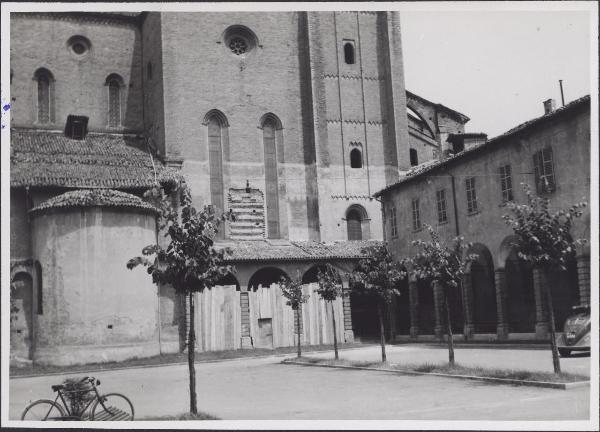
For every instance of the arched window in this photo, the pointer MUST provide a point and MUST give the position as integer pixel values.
(414, 157)
(353, 221)
(44, 95)
(349, 53)
(269, 128)
(39, 290)
(356, 158)
(215, 125)
(114, 83)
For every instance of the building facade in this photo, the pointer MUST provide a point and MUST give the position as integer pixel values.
(291, 121)
(465, 194)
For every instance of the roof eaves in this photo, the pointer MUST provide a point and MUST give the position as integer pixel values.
(487, 144)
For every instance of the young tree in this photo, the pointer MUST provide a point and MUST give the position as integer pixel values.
(292, 291)
(330, 288)
(543, 240)
(189, 262)
(378, 276)
(442, 264)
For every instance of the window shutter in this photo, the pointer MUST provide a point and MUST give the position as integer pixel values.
(548, 168)
(537, 169)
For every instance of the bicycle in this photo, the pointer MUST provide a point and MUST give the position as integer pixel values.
(92, 407)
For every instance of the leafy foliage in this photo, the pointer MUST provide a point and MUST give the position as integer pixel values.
(440, 262)
(292, 291)
(542, 237)
(378, 275)
(189, 262)
(330, 284)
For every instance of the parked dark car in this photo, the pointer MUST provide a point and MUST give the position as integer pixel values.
(576, 334)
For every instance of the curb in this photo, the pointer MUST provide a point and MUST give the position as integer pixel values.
(545, 384)
(171, 364)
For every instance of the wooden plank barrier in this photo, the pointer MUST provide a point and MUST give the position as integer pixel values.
(219, 318)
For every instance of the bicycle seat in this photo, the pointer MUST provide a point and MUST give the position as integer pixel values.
(57, 387)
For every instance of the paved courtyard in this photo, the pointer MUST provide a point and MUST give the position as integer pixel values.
(260, 389)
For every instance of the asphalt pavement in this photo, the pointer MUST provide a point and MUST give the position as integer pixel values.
(265, 389)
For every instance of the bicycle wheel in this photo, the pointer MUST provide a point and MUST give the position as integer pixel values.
(112, 407)
(43, 410)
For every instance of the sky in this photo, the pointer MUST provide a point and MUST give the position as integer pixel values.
(497, 68)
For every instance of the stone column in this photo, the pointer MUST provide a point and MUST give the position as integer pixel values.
(542, 328)
(413, 298)
(583, 278)
(348, 332)
(438, 299)
(467, 293)
(501, 310)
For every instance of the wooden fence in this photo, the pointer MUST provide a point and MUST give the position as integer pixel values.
(219, 319)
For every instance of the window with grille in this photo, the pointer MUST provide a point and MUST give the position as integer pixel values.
(394, 222)
(272, 184)
(416, 215)
(471, 195)
(353, 222)
(43, 100)
(506, 183)
(215, 163)
(114, 103)
(543, 164)
(441, 206)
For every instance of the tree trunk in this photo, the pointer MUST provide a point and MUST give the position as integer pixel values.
(381, 331)
(191, 355)
(298, 327)
(335, 348)
(555, 358)
(449, 330)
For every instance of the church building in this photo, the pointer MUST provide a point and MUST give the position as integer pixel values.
(290, 120)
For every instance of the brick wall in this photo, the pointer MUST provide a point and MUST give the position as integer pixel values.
(40, 40)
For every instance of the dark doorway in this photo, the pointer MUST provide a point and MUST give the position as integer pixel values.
(365, 321)
(425, 307)
(565, 292)
(520, 299)
(402, 312)
(484, 293)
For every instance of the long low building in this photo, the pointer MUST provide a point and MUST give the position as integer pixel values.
(465, 193)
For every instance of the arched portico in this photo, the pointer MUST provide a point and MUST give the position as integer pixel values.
(479, 291)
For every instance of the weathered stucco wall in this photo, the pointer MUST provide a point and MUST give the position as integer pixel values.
(91, 300)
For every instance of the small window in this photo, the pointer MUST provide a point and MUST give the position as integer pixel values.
(506, 183)
(414, 157)
(349, 52)
(356, 158)
(416, 214)
(149, 71)
(394, 222)
(441, 206)
(44, 95)
(543, 163)
(471, 195)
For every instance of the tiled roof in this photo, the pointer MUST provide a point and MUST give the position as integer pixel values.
(94, 198)
(434, 164)
(47, 159)
(266, 250)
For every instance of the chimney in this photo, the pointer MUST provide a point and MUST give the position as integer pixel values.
(549, 106)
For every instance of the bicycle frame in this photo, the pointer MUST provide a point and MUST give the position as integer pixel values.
(71, 415)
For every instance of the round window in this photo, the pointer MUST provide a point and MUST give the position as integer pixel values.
(79, 45)
(239, 40)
